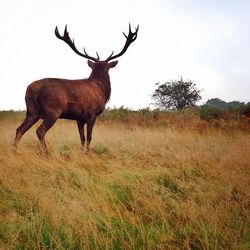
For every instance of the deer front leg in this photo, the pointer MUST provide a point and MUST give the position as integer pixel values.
(81, 132)
(90, 125)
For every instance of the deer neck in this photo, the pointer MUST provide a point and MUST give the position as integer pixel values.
(103, 81)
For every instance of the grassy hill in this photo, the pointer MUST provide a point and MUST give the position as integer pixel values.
(151, 181)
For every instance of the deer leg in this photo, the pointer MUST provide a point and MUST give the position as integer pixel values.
(28, 122)
(90, 125)
(81, 132)
(43, 128)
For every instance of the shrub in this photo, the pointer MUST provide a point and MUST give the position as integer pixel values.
(208, 113)
(246, 110)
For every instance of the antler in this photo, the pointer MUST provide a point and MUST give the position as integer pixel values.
(131, 37)
(71, 43)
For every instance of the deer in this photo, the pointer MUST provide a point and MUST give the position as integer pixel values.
(81, 100)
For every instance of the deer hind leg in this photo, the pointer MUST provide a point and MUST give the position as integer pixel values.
(90, 125)
(81, 132)
(28, 122)
(43, 128)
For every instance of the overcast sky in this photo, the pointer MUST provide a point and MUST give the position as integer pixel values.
(204, 41)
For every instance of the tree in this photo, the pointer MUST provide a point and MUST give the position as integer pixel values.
(176, 94)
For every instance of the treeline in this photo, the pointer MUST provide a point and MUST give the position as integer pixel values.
(218, 109)
(199, 118)
(12, 115)
(214, 113)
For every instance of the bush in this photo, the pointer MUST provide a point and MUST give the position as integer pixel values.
(246, 110)
(208, 113)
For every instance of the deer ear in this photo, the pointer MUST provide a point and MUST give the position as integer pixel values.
(91, 64)
(112, 64)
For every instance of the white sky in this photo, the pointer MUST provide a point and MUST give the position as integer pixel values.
(204, 41)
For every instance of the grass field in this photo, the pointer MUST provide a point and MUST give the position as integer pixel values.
(141, 187)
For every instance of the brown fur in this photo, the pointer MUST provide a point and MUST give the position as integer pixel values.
(81, 100)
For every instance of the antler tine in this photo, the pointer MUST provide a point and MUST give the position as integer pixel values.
(98, 57)
(85, 51)
(66, 33)
(128, 31)
(66, 38)
(124, 34)
(129, 28)
(131, 37)
(57, 33)
(110, 56)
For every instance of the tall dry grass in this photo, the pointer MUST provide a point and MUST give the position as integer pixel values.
(162, 187)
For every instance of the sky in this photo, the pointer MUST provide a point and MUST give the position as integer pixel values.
(207, 42)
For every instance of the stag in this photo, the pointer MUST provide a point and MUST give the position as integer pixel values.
(81, 100)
